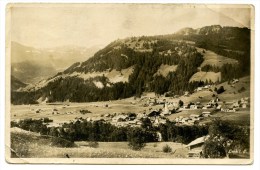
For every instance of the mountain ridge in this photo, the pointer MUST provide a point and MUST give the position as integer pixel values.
(26, 60)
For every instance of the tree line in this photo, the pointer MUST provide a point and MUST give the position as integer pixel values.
(101, 131)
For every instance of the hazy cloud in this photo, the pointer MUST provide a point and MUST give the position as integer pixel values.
(42, 25)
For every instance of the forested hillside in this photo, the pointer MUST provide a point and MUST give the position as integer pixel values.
(231, 42)
(143, 58)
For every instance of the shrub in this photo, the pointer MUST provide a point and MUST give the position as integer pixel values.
(220, 90)
(167, 149)
(47, 120)
(60, 142)
(242, 89)
(84, 111)
(14, 124)
(93, 144)
(181, 103)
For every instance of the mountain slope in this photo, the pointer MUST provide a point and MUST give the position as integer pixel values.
(232, 42)
(32, 65)
(128, 67)
(16, 84)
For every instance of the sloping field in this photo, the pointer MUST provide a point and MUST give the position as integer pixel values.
(231, 91)
(211, 58)
(230, 94)
(114, 76)
(203, 76)
(28, 145)
(164, 69)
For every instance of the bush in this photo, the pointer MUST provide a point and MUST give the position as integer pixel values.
(167, 149)
(47, 120)
(93, 144)
(84, 111)
(60, 142)
(181, 103)
(242, 89)
(14, 124)
(220, 90)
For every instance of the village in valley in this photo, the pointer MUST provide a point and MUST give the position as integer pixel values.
(198, 108)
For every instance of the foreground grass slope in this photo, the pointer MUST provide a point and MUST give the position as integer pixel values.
(31, 145)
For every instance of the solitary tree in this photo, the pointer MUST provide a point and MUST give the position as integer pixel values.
(180, 103)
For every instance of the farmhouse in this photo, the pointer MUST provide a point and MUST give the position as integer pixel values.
(235, 81)
(166, 110)
(193, 106)
(206, 87)
(244, 105)
(194, 116)
(219, 107)
(206, 114)
(195, 147)
(199, 89)
(186, 93)
(235, 104)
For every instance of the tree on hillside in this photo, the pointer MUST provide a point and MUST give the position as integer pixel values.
(180, 103)
(220, 90)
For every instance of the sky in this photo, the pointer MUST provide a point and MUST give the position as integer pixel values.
(88, 25)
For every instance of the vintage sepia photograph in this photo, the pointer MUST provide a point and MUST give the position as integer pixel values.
(129, 83)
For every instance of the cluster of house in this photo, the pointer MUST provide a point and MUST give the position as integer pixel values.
(156, 117)
(242, 103)
(159, 116)
(126, 120)
(211, 104)
(191, 119)
(56, 112)
(135, 120)
(151, 101)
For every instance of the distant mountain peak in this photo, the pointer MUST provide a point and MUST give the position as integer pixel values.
(213, 29)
